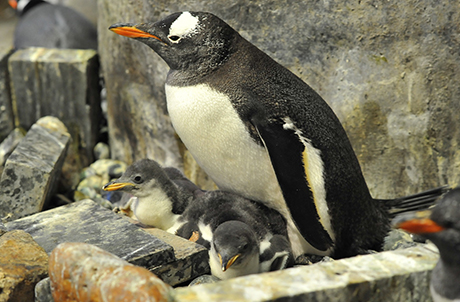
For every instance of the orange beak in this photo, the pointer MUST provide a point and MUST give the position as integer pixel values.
(13, 3)
(420, 226)
(116, 186)
(418, 223)
(131, 32)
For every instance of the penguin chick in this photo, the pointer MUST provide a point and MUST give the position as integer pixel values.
(262, 228)
(42, 24)
(441, 225)
(160, 201)
(261, 132)
(234, 251)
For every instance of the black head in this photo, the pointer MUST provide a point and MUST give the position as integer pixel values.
(187, 41)
(441, 225)
(139, 179)
(234, 241)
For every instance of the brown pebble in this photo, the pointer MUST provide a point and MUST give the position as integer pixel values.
(84, 272)
(22, 264)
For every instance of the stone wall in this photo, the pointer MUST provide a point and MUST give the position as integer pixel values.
(390, 70)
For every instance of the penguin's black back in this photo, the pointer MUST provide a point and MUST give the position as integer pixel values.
(54, 26)
(215, 207)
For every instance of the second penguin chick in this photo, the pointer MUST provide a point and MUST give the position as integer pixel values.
(234, 250)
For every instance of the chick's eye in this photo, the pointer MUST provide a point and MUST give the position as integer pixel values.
(174, 38)
(138, 179)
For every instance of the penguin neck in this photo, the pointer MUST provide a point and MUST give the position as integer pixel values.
(156, 210)
(26, 5)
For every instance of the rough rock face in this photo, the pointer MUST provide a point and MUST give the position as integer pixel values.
(388, 69)
(22, 264)
(32, 170)
(6, 114)
(62, 83)
(83, 272)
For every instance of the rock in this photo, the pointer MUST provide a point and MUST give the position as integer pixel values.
(104, 166)
(389, 71)
(397, 239)
(22, 264)
(86, 221)
(94, 177)
(83, 272)
(6, 113)
(62, 83)
(191, 259)
(101, 151)
(3, 229)
(43, 291)
(8, 145)
(31, 172)
(205, 279)
(401, 275)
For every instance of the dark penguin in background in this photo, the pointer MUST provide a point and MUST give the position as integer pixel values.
(441, 225)
(162, 193)
(261, 132)
(42, 24)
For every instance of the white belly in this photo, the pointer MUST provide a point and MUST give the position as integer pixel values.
(212, 131)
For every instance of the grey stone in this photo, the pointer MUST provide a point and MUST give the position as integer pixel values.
(101, 151)
(43, 291)
(204, 279)
(401, 275)
(397, 239)
(191, 259)
(8, 145)
(3, 229)
(85, 221)
(6, 113)
(62, 83)
(30, 175)
(388, 69)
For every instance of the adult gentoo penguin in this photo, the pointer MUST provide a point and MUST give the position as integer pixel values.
(260, 131)
(441, 225)
(42, 24)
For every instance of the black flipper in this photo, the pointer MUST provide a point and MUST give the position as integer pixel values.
(286, 154)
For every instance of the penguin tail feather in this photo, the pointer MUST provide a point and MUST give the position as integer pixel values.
(415, 202)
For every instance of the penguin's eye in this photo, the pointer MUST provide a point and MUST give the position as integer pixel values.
(174, 38)
(137, 179)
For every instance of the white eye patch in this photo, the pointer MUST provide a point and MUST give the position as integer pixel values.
(184, 25)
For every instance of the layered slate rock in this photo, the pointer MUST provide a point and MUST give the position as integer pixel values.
(402, 275)
(192, 260)
(30, 175)
(62, 83)
(6, 113)
(389, 71)
(8, 145)
(22, 264)
(86, 221)
(84, 272)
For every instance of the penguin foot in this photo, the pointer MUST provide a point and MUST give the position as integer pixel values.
(195, 236)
